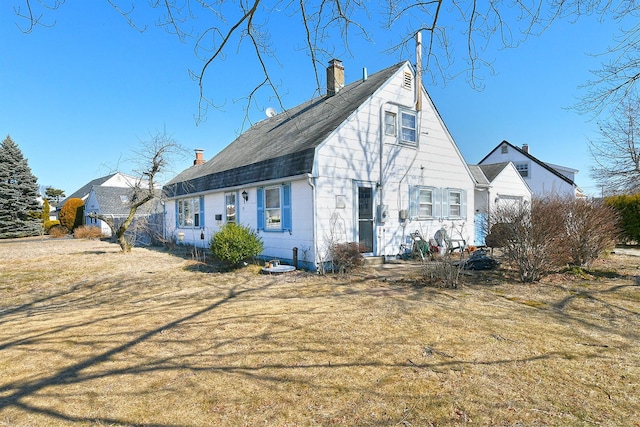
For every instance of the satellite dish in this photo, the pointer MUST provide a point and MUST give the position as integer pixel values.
(271, 112)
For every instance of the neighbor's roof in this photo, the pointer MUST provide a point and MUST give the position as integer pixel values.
(115, 201)
(533, 159)
(280, 146)
(84, 191)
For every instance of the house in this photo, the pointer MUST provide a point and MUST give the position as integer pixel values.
(113, 180)
(114, 202)
(496, 184)
(368, 162)
(544, 179)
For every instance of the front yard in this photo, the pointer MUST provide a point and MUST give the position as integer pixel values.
(92, 337)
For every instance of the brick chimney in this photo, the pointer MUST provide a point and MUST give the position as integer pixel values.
(335, 77)
(199, 157)
(525, 148)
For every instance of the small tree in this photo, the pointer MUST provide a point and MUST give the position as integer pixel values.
(235, 243)
(71, 213)
(54, 194)
(46, 210)
(153, 158)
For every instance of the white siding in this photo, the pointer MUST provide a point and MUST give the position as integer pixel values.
(353, 154)
(541, 181)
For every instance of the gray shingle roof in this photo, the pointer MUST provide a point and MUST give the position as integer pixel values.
(84, 191)
(280, 146)
(115, 201)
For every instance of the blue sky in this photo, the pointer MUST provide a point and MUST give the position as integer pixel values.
(79, 96)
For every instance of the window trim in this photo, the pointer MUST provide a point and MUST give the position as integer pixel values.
(394, 117)
(267, 209)
(527, 165)
(419, 203)
(235, 207)
(196, 204)
(402, 127)
(285, 208)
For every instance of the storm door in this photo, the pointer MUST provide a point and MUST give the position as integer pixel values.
(365, 218)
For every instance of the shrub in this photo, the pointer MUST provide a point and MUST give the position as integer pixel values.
(628, 209)
(50, 223)
(591, 228)
(346, 257)
(58, 231)
(235, 243)
(71, 213)
(87, 232)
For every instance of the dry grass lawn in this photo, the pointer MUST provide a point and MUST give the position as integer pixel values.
(91, 337)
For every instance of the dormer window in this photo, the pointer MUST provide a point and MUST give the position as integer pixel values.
(523, 169)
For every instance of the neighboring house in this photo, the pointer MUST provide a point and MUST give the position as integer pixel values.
(114, 202)
(114, 180)
(496, 184)
(369, 162)
(544, 179)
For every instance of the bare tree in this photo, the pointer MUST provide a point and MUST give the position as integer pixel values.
(153, 159)
(616, 154)
(217, 28)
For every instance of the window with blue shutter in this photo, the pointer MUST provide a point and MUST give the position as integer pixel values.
(274, 208)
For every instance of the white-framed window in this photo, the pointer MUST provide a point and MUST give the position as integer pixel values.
(425, 203)
(273, 207)
(188, 212)
(231, 206)
(523, 169)
(390, 123)
(455, 203)
(408, 127)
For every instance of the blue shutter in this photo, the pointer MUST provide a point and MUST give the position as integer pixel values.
(260, 202)
(437, 203)
(463, 204)
(414, 194)
(201, 211)
(177, 223)
(286, 207)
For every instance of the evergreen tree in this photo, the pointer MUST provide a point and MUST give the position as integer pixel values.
(19, 207)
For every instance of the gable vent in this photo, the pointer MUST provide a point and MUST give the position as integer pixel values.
(408, 80)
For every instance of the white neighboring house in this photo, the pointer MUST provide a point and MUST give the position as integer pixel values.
(117, 179)
(114, 202)
(369, 162)
(544, 179)
(496, 184)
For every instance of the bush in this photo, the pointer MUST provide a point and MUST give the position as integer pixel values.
(87, 232)
(591, 228)
(235, 243)
(628, 209)
(50, 223)
(71, 213)
(58, 231)
(346, 257)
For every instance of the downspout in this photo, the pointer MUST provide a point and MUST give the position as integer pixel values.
(310, 181)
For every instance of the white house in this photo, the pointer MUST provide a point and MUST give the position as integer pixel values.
(544, 179)
(368, 162)
(496, 184)
(115, 202)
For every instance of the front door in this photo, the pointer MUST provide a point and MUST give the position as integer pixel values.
(365, 219)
